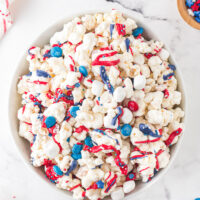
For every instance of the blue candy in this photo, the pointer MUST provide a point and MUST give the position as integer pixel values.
(57, 170)
(50, 121)
(83, 71)
(56, 52)
(77, 148)
(137, 31)
(88, 141)
(131, 176)
(42, 73)
(172, 67)
(100, 184)
(112, 26)
(197, 14)
(76, 156)
(73, 111)
(72, 167)
(126, 130)
(127, 43)
(189, 3)
(197, 19)
(68, 139)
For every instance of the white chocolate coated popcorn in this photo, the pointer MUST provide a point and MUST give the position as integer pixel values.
(100, 106)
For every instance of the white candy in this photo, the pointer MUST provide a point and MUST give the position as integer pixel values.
(128, 186)
(139, 82)
(97, 88)
(117, 194)
(127, 116)
(119, 94)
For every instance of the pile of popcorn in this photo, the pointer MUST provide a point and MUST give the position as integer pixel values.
(100, 106)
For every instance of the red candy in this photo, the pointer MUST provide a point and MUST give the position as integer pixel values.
(133, 106)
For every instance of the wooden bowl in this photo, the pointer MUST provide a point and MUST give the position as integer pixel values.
(184, 14)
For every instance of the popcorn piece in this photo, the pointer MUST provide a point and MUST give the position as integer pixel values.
(128, 186)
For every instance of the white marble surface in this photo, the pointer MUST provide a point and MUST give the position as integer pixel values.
(182, 182)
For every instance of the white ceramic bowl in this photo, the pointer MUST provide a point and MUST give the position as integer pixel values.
(15, 99)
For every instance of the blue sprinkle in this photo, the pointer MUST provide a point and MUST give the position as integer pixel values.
(39, 105)
(88, 141)
(42, 73)
(72, 167)
(73, 111)
(83, 71)
(29, 74)
(65, 96)
(127, 43)
(138, 31)
(77, 85)
(34, 138)
(68, 139)
(100, 184)
(105, 79)
(50, 121)
(78, 103)
(197, 19)
(57, 170)
(112, 26)
(76, 156)
(77, 148)
(126, 130)
(168, 76)
(147, 131)
(114, 120)
(56, 52)
(189, 3)
(197, 14)
(50, 135)
(172, 67)
(47, 55)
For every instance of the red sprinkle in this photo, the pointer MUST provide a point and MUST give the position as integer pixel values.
(144, 169)
(121, 29)
(40, 82)
(157, 154)
(106, 63)
(79, 185)
(123, 167)
(80, 129)
(172, 136)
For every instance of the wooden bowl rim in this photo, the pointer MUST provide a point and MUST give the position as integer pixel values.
(185, 15)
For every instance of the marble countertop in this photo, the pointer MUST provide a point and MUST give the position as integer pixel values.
(182, 182)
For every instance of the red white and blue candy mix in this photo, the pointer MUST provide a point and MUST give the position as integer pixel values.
(194, 9)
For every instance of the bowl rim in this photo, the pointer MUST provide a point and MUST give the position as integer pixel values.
(60, 22)
(182, 8)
